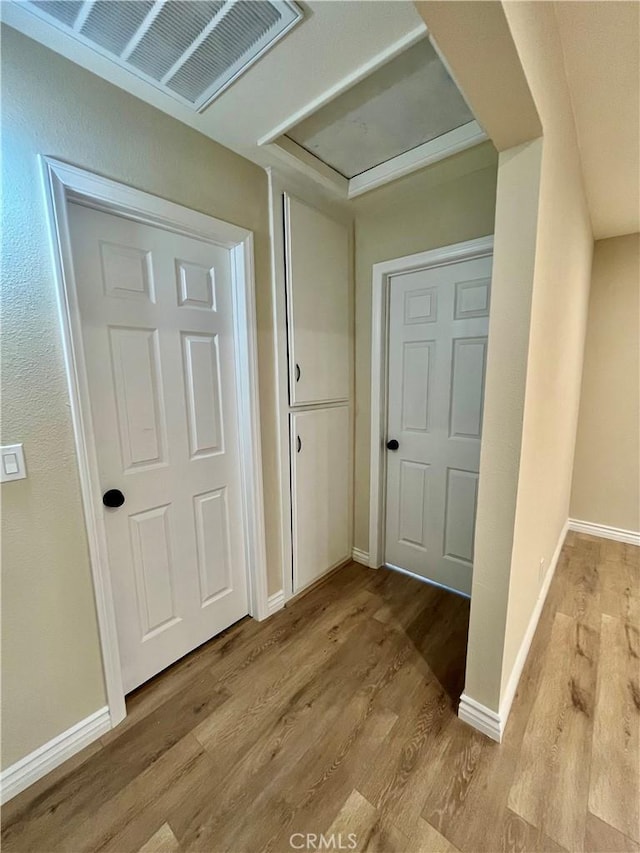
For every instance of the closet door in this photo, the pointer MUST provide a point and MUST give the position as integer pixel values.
(320, 454)
(318, 283)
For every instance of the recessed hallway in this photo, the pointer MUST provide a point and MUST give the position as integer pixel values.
(338, 715)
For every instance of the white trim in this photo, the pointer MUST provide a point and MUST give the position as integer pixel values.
(452, 142)
(483, 718)
(246, 356)
(276, 602)
(509, 692)
(309, 166)
(359, 556)
(618, 534)
(480, 717)
(381, 274)
(62, 183)
(290, 154)
(50, 755)
(279, 302)
(346, 82)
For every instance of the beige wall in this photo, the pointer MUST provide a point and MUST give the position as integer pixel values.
(558, 322)
(606, 473)
(480, 49)
(52, 675)
(446, 203)
(526, 461)
(507, 354)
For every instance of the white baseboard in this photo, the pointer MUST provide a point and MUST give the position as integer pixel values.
(521, 658)
(478, 715)
(618, 534)
(275, 602)
(46, 758)
(359, 556)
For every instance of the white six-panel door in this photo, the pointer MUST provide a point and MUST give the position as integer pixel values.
(157, 323)
(438, 325)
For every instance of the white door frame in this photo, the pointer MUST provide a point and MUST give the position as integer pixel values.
(65, 183)
(382, 273)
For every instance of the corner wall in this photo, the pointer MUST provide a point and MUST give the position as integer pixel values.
(528, 478)
(606, 474)
(500, 450)
(556, 343)
(52, 672)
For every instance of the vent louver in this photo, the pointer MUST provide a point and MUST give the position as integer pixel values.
(190, 49)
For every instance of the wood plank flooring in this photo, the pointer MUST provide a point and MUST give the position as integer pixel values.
(337, 717)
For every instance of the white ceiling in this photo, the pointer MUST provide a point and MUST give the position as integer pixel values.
(409, 101)
(340, 43)
(601, 45)
(337, 44)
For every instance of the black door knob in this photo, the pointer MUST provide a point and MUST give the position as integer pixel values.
(113, 498)
(392, 445)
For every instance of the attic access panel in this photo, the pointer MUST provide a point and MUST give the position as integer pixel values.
(189, 49)
(407, 102)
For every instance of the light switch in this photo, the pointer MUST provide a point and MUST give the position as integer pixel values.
(13, 466)
(10, 463)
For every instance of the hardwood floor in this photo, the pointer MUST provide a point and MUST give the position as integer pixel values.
(338, 716)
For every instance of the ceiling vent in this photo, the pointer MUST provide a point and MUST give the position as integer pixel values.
(190, 49)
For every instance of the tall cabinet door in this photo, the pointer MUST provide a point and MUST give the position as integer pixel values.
(321, 478)
(318, 280)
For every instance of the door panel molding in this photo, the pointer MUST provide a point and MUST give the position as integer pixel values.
(64, 183)
(381, 275)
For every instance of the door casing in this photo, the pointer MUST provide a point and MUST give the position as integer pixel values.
(63, 183)
(381, 276)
